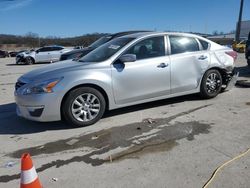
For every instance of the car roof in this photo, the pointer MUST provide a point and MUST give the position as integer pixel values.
(115, 35)
(144, 34)
(53, 46)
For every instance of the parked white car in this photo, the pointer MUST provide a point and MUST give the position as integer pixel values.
(45, 54)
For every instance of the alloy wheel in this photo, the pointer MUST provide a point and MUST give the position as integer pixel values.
(213, 83)
(85, 107)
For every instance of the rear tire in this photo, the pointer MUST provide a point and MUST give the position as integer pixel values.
(29, 61)
(83, 106)
(211, 84)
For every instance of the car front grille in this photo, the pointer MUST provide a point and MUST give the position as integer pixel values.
(19, 84)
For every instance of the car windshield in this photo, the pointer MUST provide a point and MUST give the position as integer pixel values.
(105, 51)
(100, 42)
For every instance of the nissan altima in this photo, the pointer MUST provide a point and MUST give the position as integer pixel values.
(128, 70)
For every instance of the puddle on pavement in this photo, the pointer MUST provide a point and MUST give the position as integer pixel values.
(159, 136)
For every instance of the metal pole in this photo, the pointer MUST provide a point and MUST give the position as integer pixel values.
(237, 36)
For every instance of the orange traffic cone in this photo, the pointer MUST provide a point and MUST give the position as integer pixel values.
(29, 178)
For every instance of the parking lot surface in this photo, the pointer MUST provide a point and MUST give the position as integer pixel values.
(175, 143)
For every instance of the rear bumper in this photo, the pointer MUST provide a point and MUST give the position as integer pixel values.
(231, 79)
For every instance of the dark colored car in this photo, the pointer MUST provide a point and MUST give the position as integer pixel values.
(78, 53)
(247, 51)
(14, 53)
(4, 53)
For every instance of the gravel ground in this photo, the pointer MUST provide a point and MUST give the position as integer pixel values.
(169, 143)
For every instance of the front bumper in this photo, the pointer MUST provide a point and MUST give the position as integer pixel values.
(20, 59)
(38, 107)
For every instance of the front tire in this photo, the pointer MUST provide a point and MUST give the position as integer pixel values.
(29, 61)
(83, 106)
(211, 84)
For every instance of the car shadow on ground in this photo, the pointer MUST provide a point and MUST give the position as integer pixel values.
(12, 124)
(170, 101)
(244, 75)
(243, 71)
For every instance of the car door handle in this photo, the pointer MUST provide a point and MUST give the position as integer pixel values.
(162, 65)
(202, 57)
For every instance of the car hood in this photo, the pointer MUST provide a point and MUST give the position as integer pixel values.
(87, 49)
(26, 53)
(56, 69)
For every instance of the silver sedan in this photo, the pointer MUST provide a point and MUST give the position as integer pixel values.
(129, 70)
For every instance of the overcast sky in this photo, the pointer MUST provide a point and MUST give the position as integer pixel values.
(64, 18)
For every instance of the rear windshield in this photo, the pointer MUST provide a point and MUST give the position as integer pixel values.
(105, 51)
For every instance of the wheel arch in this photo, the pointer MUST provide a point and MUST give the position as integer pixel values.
(95, 86)
(33, 59)
(222, 71)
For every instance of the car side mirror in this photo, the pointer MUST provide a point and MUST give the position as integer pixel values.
(128, 58)
(37, 51)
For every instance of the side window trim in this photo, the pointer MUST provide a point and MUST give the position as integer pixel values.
(199, 43)
(168, 46)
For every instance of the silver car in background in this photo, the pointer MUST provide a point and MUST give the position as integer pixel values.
(129, 70)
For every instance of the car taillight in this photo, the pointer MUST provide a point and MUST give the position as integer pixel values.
(233, 54)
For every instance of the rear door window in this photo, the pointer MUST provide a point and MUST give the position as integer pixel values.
(181, 44)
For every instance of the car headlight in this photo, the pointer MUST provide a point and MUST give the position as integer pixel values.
(41, 87)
